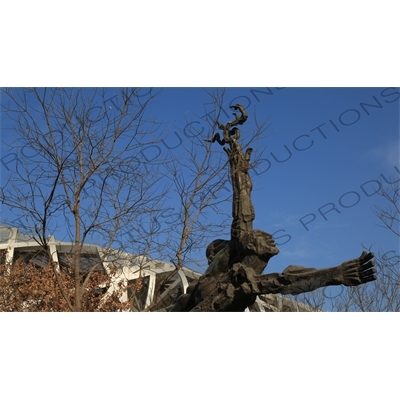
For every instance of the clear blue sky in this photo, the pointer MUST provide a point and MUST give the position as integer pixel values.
(321, 156)
(335, 141)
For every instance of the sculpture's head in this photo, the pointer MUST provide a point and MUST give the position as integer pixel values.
(259, 243)
(214, 248)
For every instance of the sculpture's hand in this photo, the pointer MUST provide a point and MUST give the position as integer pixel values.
(358, 271)
(239, 120)
(216, 138)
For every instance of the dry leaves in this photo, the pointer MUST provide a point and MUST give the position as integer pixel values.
(26, 287)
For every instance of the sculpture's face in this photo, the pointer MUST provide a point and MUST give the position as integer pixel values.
(262, 244)
(214, 247)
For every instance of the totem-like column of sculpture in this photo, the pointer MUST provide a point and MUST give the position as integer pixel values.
(243, 213)
(242, 208)
(246, 245)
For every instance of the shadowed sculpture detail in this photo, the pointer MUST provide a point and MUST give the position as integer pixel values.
(234, 277)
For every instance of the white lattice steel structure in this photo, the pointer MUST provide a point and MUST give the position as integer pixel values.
(23, 247)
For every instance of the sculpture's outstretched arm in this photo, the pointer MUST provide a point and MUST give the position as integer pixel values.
(295, 280)
(237, 288)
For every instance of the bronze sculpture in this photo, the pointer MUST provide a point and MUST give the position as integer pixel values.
(234, 276)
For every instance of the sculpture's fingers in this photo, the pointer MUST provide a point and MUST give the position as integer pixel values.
(368, 273)
(365, 257)
(367, 266)
(369, 278)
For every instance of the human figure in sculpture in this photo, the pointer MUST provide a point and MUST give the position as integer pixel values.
(234, 276)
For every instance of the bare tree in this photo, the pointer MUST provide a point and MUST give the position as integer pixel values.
(84, 172)
(197, 181)
(390, 214)
(86, 178)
